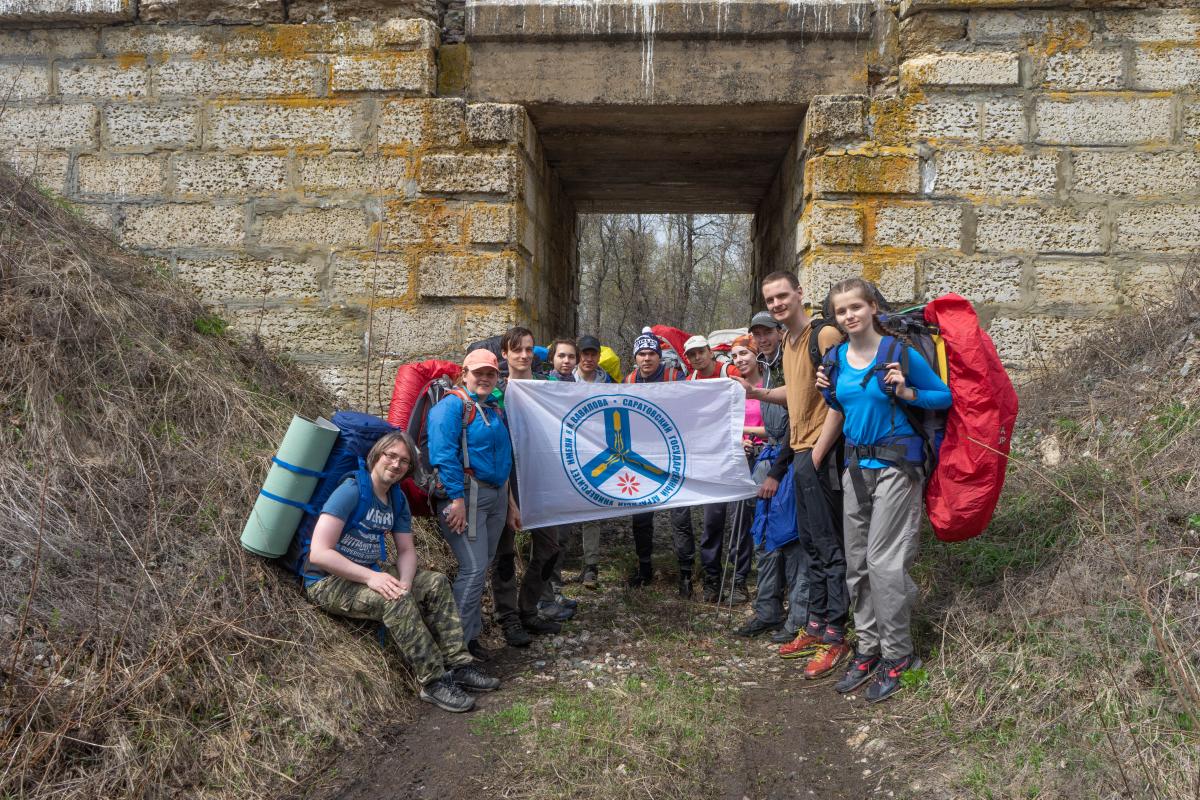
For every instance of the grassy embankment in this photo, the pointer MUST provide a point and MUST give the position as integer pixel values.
(143, 653)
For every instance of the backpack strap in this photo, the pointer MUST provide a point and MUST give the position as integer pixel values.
(366, 497)
(724, 369)
(470, 406)
(891, 350)
(897, 451)
(631, 377)
(829, 363)
(398, 498)
(814, 339)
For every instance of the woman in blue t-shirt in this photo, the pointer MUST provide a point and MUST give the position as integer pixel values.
(351, 572)
(882, 485)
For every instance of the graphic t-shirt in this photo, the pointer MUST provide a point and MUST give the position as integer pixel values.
(366, 543)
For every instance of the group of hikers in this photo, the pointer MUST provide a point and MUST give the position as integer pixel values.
(825, 422)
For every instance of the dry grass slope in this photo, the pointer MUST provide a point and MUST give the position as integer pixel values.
(142, 652)
(1067, 638)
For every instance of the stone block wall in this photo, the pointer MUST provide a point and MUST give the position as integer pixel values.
(1045, 163)
(305, 178)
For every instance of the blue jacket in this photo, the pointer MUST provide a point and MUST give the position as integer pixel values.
(775, 518)
(488, 445)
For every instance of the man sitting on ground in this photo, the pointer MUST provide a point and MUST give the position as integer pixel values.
(344, 576)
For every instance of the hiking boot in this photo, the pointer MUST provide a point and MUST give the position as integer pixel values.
(554, 612)
(804, 645)
(445, 695)
(685, 585)
(590, 577)
(887, 677)
(712, 592)
(565, 601)
(476, 650)
(782, 636)
(828, 657)
(859, 672)
(538, 626)
(515, 635)
(737, 594)
(756, 626)
(642, 576)
(467, 677)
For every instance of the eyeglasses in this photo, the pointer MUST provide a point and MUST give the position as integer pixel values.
(395, 459)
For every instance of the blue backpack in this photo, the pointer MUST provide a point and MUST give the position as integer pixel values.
(358, 433)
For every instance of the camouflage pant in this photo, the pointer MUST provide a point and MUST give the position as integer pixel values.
(424, 624)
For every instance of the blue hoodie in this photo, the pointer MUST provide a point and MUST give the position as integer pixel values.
(488, 444)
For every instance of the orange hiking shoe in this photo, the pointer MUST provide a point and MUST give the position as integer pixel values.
(804, 645)
(829, 656)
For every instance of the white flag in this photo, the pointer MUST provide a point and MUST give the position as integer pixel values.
(591, 451)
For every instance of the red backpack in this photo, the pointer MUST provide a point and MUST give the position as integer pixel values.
(417, 389)
(964, 488)
(966, 446)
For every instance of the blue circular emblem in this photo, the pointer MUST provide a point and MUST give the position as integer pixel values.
(620, 451)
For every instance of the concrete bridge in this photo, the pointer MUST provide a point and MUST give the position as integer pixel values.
(366, 181)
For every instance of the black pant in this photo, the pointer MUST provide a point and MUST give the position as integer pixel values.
(643, 535)
(510, 607)
(819, 521)
(684, 538)
(715, 516)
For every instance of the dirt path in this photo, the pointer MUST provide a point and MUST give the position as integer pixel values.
(778, 735)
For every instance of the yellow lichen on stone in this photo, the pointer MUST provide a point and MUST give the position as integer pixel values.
(893, 117)
(1061, 36)
(878, 170)
(130, 60)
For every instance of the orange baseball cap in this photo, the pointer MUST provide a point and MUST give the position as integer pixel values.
(479, 359)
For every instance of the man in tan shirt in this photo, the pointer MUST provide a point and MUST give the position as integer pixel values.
(814, 440)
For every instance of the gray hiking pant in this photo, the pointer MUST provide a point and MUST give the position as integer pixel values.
(882, 531)
(783, 572)
(475, 555)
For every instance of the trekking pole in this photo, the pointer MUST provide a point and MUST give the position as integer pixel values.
(739, 513)
(724, 572)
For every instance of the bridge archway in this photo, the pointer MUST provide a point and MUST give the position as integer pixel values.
(660, 107)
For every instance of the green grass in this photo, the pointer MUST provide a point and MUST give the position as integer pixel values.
(655, 730)
(210, 325)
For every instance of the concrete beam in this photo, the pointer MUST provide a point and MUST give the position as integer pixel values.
(81, 11)
(620, 20)
(673, 72)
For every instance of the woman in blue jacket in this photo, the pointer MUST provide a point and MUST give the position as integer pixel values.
(471, 452)
(883, 482)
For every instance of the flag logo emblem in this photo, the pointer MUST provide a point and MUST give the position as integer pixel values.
(622, 451)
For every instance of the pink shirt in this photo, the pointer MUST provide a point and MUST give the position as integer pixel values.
(754, 416)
